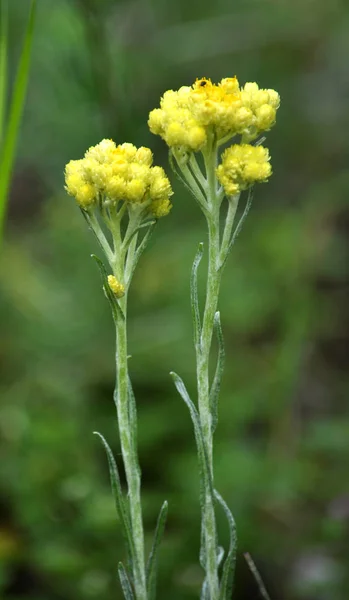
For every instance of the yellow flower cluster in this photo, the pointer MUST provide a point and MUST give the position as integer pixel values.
(118, 173)
(186, 116)
(116, 286)
(242, 166)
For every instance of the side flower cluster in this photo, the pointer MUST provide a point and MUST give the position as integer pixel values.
(242, 166)
(110, 174)
(188, 116)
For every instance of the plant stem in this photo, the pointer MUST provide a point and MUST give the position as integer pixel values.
(126, 428)
(202, 361)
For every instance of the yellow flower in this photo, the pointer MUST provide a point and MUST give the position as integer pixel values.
(116, 286)
(110, 173)
(78, 186)
(189, 116)
(242, 166)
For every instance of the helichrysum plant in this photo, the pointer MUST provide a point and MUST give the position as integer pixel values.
(197, 122)
(121, 195)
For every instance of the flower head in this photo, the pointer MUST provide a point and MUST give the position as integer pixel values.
(110, 174)
(242, 166)
(189, 116)
(116, 287)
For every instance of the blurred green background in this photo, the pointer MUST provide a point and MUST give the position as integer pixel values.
(282, 444)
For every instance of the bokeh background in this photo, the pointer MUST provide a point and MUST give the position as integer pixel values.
(282, 445)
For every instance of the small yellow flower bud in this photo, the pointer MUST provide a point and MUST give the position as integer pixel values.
(176, 134)
(265, 117)
(144, 156)
(274, 98)
(129, 150)
(243, 119)
(155, 121)
(196, 138)
(160, 188)
(115, 188)
(135, 190)
(83, 191)
(86, 195)
(230, 85)
(160, 208)
(116, 286)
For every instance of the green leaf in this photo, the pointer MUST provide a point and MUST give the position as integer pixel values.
(205, 476)
(152, 561)
(226, 587)
(125, 582)
(142, 246)
(115, 306)
(132, 415)
(194, 295)
(205, 592)
(257, 576)
(244, 215)
(174, 168)
(3, 62)
(216, 384)
(17, 104)
(118, 497)
(199, 197)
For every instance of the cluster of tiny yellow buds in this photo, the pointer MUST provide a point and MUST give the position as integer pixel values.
(111, 173)
(116, 287)
(187, 116)
(242, 166)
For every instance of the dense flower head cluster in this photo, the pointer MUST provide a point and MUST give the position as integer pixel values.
(111, 173)
(187, 116)
(242, 166)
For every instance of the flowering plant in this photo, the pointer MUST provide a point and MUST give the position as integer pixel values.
(121, 196)
(201, 119)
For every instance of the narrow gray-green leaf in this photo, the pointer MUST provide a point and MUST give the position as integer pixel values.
(125, 582)
(153, 557)
(199, 197)
(205, 592)
(243, 217)
(132, 415)
(118, 496)
(257, 576)
(205, 476)
(127, 240)
(216, 384)
(15, 114)
(114, 305)
(226, 586)
(142, 246)
(239, 225)
(194, 295)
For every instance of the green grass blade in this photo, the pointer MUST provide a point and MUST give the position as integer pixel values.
(3, 63)
(15, 114)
